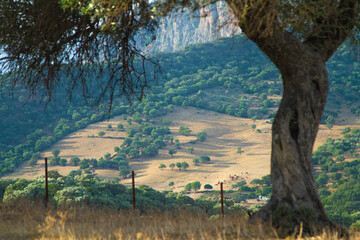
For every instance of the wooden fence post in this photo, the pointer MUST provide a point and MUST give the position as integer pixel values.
(222, 199)
(133, 190)
(46, 184)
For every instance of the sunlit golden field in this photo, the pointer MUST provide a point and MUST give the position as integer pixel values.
(225, 134)
(27, 221)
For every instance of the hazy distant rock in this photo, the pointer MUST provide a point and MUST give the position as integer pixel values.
(183, 28)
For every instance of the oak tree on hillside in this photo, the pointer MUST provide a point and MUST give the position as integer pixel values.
(172, 151)
(162, 166)
(55, 152)
(184, 165)
(201, 136)
(188, 187)
(75, 161)
(178, 165)
(195, 185)
(184, 130)
(101, 133)
(191, 149)
(172, 165)
(42, 37)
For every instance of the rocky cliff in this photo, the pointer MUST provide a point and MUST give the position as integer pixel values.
(183, 28)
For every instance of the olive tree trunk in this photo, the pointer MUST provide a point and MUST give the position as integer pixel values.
(294, 131)
(293, 135)
(294, 198)
(301, 59)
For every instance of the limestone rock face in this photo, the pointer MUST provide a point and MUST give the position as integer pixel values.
(183, 28)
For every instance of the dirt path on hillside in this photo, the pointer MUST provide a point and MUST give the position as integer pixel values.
(225, 134)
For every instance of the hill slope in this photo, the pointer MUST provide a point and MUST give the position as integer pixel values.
(242, 83)
(225, 134)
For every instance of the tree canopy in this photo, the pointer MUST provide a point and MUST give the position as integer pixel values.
(43, 39)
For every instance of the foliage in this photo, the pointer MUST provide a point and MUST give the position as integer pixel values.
(338, 180)
(62, 162)
(75, 161)
(55, 152)
(201, 136)
(195, 185)
(239, 184)
(76, 33)
(322, 179)
(120, 127)
(123, 171)
(177, 143)
(191, 149)
(184, 165)
(239, 150)
(172, 165)
(86, 190)
(172, 151)
(204, 159)
(184, 130)
(188, 187)
(265, 180)
(101, 133)
(162, 166)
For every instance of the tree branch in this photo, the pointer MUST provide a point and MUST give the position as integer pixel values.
(331, 30)
(45, 42)
(259, 20)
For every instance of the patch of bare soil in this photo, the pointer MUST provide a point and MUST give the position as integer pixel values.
(225, 134)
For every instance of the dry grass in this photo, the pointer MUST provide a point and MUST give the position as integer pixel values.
(225, 134)
(27, 221)
(37, 222)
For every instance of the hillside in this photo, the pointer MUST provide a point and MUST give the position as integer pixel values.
(242, 83)
(224, 135)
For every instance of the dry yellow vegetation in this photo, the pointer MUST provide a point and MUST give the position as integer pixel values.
(26, 221)
(225, 134)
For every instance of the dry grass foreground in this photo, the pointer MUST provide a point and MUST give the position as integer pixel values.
(26, 221)
(225, 134)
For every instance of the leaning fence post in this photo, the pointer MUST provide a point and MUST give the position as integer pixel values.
(46, 183)
(133, 190)
(222, 199)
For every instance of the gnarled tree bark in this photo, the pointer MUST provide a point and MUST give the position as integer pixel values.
(294, 131)
(301, 59)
